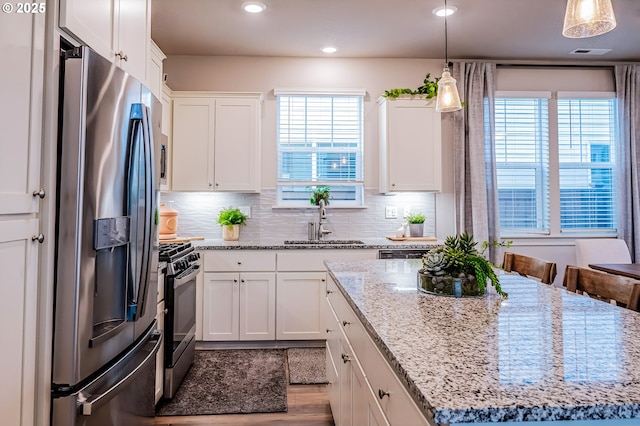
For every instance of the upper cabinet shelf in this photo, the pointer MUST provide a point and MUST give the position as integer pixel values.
(410, 145)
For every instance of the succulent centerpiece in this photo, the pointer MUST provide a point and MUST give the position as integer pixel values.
(458, 269)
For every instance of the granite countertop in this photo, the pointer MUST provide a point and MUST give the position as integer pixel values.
(541, 354)
(367, 243)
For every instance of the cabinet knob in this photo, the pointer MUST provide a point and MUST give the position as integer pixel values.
(242, 280)
(39, 193)
(39, 238)
(210, 184)
(166, 311)
(382, 394)
(345, 358)
(239, 263)
(122, 56)
(322, 279)
(329, 330)
(329, 292)
(393, 184)
(235, 281)
(345, 323)
(217, 184)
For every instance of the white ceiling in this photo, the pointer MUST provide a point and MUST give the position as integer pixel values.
(482, 29)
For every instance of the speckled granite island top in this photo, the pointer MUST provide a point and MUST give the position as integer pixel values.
(542, 354)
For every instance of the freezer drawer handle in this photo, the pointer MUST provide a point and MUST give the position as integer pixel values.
(89, 406)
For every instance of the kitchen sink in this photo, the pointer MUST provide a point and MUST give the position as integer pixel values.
(327, 242)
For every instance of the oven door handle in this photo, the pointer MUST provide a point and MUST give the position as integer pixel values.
(177, 282)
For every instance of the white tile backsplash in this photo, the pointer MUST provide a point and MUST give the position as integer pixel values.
(198, 213)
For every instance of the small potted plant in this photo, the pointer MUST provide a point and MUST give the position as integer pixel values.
(230, 219)
(458, 268)
(320, 193)
(416, 224)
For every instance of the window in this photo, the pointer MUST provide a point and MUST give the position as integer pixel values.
(556, 182)
(320, 143)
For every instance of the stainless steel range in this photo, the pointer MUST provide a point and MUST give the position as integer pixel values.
(180, 317)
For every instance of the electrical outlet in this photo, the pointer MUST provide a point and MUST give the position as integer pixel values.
(390, 212)
(407, 211)
(246, 210)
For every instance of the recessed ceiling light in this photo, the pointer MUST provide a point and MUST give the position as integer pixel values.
(254, 6)
(329, 49)
(441, 11)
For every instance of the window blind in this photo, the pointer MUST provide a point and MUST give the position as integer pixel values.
(320, 142)
(586, 148)
(522, 163)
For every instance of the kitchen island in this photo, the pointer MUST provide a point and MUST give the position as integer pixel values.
(542, 354)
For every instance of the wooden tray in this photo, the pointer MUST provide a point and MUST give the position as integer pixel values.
(412, 238)
(181, 240)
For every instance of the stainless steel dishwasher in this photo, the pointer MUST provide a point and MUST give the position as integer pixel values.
(402, 253)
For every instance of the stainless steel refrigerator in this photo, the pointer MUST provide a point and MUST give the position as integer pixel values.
(105, 334)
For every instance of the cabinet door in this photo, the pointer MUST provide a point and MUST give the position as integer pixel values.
(300, 303)
(155, 58)
(192, 143)
(237, 147)
(410, 146)
(220, 309)
(21, 47)
(132, 36)
(91, 22)
(257, 306)
(18, 293)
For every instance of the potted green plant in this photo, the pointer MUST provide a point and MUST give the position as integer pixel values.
(458, 268)
(230, 219)
(428, 90)
(416, 224)
(318, 193)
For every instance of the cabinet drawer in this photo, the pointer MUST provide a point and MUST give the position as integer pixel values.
(239, 261)
(313, 260)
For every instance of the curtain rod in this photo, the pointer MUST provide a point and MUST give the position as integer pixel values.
(503, 63)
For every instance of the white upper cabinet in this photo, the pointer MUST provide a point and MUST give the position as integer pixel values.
(410, 145)
(216, 142)
(119, 30)
(154, 74)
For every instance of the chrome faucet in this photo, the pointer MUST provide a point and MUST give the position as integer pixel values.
(322, 215)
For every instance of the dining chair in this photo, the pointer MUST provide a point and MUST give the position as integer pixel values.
(601, 250)
(528, 266)
(603, 286)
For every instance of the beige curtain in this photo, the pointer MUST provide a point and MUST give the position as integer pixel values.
(628, 157)
(476, 191)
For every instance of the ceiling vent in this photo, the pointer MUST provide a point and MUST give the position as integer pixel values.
(590, 51)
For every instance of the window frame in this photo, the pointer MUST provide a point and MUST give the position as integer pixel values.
(554, 212)
(357, 184)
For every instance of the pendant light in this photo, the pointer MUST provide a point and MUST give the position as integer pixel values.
(448, 99)
(588, 18)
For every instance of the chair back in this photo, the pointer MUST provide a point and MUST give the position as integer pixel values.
(601, 250)
(528, 266)
(603, 286)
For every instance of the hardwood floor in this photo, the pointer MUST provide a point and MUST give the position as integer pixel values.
(308, 406)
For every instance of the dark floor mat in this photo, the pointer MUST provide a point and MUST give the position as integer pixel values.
(307, 365)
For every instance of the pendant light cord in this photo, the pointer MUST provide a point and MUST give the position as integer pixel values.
(446, 47)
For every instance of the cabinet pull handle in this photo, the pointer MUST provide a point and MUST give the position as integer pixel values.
(329, 292)
(39, 193)
(122, 56)
(345, 358)
(39, 238)
(382, 394)
(345, 323)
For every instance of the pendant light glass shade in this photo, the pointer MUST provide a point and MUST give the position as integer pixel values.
(588, 18)
(448, 99)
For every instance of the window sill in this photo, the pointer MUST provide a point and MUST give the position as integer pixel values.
(309, 207)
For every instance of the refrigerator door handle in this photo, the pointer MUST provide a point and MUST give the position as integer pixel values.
(140, 171)
(91, 405)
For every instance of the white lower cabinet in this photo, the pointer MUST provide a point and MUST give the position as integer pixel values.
(299, 305)
(365, 390)
(239, 306)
